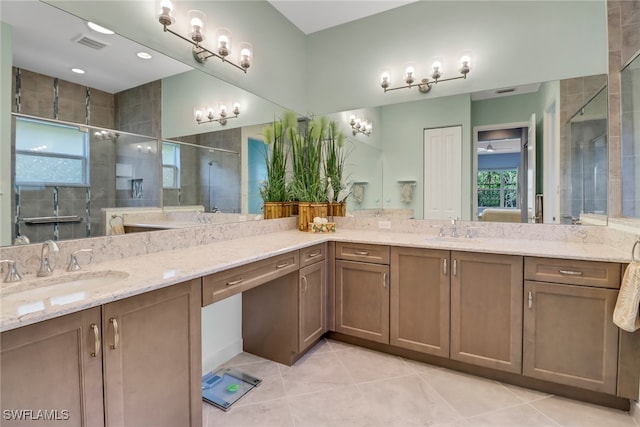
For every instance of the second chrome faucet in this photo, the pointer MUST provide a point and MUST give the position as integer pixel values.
(46, 268)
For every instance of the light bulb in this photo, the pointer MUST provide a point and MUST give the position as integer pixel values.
(465, 64)
(245, 55)
(409, 75)
(236, 108)
(164, 12)
(198, 115)
(385, 80)
(196, 20)
(437, 70)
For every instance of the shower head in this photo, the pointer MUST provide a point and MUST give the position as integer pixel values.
(210, 162)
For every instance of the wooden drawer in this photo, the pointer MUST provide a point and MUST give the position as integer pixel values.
(239, 279)
(312, 254)
(573, 272)
(376, 254)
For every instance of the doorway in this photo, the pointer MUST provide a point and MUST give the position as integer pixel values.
(504, 170)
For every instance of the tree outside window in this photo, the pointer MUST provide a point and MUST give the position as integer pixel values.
(498, 188)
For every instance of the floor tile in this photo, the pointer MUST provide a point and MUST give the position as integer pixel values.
(270, 389)
(407, 401)
(521, 416)
(341, 406)
(470, 395)
(339, 345)
(571, 413)
(271, 414)
(260, 369)
(525, 394)
(420, 367)
(368, 365)
(313, 373)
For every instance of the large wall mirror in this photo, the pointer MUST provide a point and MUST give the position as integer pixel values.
(386, 167)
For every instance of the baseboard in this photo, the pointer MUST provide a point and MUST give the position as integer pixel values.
(635, 412)
(216, 359)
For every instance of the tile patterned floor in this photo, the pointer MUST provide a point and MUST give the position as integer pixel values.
(336, 384)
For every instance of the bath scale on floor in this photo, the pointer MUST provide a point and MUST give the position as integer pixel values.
(225, 387)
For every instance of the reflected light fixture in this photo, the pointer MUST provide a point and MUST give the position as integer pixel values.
(424, 85)
(197, 34)
(359, 125)
(222, 118)
(490, 148)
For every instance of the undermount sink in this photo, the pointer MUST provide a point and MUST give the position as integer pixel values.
(60, 290)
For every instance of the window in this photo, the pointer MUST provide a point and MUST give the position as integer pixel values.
(170, 165)
(50, 153)
(498, 188)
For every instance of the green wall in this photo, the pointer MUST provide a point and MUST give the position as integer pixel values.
(402, 141)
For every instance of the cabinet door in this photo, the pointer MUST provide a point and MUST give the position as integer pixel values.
(420, 300)
(486, 310)
(569, 335)
(53, 366)
(153, 357)
(362, 300)
(312, 297)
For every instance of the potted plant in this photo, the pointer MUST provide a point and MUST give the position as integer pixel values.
(274, 190)
(334, 156)
(307, 184)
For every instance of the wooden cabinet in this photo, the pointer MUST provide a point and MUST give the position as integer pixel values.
(362, 300)
(486, 310)
(285, 316)
(312, 290)
(419, 306)
(152, 358)
(148, 346)
(54, 366)
(569, 334)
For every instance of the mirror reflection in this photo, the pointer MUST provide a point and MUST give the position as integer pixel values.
(630, 139)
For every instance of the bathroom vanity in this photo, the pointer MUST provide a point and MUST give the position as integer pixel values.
(527, 315)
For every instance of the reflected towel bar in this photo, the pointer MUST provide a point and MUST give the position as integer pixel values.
(51, 219)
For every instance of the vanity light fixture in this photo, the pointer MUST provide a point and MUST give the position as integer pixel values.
(105, 135)
(197, 35)
(424, 85)
(209, 117)
(359, 125)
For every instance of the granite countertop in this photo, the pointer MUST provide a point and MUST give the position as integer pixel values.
(35, 299)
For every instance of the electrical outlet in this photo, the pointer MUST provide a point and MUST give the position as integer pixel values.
(384, 225)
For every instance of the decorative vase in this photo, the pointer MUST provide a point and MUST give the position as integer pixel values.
(319, 210)
(286, 209)
(272, 210)
(304, 216)
(338, 209)
(294, 208)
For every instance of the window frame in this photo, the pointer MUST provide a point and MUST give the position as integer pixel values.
(174, 166)
(83, 158)
(502, 188)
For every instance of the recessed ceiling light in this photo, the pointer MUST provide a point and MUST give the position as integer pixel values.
(78, 70)
(143, 55)
(98, 28)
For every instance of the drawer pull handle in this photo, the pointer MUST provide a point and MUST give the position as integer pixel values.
(283, 265)
(304, 286)
(445, 267)
(570, 272)
(384, 280)
(96, 340)
(314, 254)
(530, 300)
(365, 253)
(235, 282)
(455, 267)
(116, 333)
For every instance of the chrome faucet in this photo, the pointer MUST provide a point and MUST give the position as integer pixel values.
(45, 264)
(12, 271)
(454, 228)
(74, 265)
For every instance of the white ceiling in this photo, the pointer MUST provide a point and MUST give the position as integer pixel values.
(43, 41)
(315, 15)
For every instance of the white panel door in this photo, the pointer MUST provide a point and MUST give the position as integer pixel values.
(442, 173)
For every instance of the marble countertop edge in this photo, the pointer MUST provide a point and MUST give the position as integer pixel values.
(158, 270)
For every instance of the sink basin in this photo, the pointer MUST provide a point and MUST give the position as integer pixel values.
(36, 294)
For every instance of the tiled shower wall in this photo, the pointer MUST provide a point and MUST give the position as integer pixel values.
(574, 94)
(136, 110)
(210, 178)
(44, 96)
(624, 41)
